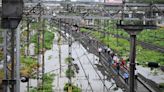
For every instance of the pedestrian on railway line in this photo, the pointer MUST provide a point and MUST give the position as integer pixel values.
(112, 55)
(99, 50)
(105, 49)
(126, 77)
(118, 67)
(123, 62)
(108, 51)
(110, 61)
(115, 58)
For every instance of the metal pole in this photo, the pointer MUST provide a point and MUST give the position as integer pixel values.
(132, 61)
(104, 83)
(18, 59)
(28, 42)
(43, 62)
(59, 44)
(5, 89)
(38, 62)
(28, 36)
(60, 52)
(38, 59)
(28, 84)
(12, 59)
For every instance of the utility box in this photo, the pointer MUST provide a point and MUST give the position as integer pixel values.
(12, 11)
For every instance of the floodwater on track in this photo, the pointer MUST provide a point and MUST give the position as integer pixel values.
(88, 72)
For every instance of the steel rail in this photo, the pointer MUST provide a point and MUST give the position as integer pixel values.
(84, 72)
(94, 69)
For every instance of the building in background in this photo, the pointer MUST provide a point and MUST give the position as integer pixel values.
(113, 1)
(86, 0)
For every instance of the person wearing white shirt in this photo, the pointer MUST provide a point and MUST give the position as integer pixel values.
(99, 49)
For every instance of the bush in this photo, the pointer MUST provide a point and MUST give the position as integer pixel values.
(70, 73)
(74, 88)
(29, 66)
(49, 36)
(161, 85)
(69, 60)
(47, 86)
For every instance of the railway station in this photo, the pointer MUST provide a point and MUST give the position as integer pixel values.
(82, 46)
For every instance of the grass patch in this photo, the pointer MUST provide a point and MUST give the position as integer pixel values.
(47, 86)
(83, 30)
(142, 55)
(29, 66)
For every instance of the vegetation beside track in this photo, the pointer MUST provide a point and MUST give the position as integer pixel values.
(122, 48)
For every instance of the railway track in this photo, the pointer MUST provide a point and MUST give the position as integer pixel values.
(92, 67)
(110, 72)
(95, 70)
(84, 72)
(118, 79)
(143, 86)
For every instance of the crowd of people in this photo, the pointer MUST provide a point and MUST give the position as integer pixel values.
(117, 63)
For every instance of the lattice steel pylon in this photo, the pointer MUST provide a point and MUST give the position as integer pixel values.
(12, 11)
(43, 52)
(11, 49)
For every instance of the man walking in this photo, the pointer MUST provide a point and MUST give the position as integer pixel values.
(126, 77)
